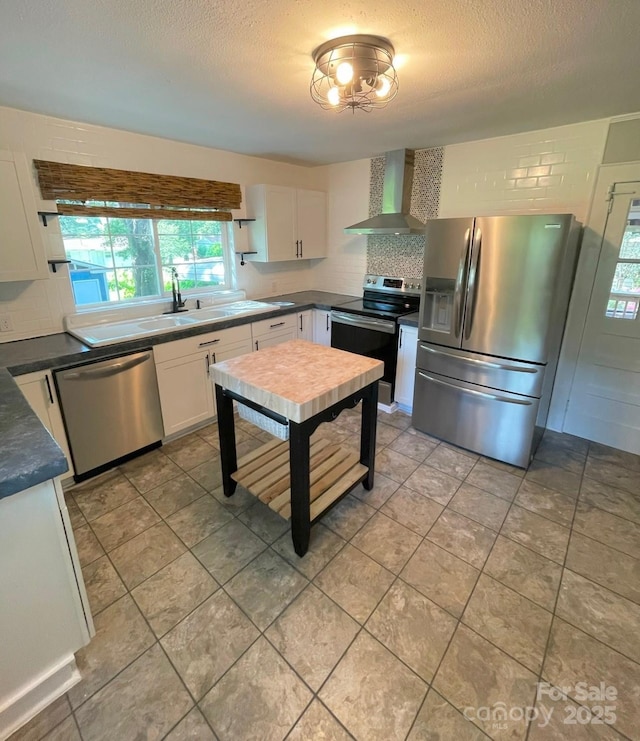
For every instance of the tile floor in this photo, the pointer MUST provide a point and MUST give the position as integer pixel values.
(457, 582)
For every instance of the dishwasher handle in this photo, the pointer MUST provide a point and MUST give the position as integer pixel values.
(104, 371)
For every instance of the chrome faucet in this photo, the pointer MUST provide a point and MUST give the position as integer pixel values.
(177, 304)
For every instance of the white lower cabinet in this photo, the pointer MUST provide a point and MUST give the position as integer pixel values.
(322, 327)
(39, 391)
(182, 367)
(406, 368)
(305, 325)
(269, 332)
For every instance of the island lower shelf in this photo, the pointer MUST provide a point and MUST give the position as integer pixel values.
(333, 471)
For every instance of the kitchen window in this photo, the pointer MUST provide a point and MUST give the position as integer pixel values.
(115, 259)
(624, 295)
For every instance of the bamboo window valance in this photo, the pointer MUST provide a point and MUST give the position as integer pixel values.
(162, 196)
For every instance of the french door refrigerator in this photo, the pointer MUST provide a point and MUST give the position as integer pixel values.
(495, 295)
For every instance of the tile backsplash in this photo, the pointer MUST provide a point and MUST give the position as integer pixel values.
(403, 255)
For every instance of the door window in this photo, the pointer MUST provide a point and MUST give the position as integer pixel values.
(624, 294)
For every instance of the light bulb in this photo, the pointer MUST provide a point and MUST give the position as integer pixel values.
(333, 96)
(344, 73)
(382, 87)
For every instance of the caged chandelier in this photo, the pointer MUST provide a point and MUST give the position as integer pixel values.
(354, 72)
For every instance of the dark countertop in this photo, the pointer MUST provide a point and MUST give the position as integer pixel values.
(29, 455)
(410, 320)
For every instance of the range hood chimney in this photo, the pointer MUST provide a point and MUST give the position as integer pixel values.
(396, 199)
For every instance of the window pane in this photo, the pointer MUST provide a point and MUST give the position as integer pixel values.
(626, 278)
(630, 248)
(176, 248)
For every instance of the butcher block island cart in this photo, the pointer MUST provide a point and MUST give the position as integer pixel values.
(298, 385)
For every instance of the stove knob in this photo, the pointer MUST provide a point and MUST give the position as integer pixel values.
(419, 287)
(368, 280)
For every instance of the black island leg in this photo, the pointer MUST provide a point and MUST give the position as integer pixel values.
(227, 434)
(368, 432)
(299, 470)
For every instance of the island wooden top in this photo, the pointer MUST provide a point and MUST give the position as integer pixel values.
(297, 379)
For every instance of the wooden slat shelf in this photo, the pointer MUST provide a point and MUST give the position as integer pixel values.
(333, 471)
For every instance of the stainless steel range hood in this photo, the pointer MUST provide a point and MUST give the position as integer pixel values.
(396, 199)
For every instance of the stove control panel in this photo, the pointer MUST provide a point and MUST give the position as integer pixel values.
(392, 285)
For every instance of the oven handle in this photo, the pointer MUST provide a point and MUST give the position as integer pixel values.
(356, 320)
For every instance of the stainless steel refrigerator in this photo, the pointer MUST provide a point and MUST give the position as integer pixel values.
(495, 295)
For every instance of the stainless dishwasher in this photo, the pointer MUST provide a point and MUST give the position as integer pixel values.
(110, 408)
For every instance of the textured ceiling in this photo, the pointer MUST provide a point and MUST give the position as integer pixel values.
(235, 75)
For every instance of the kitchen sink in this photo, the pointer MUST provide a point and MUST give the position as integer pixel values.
(165, 322)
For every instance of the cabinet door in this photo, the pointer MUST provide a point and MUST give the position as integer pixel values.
(311, 229)
(406, 368)
(305, 326)
(21, 245)
(186, 397)
(322, 327)
(275, 339)
(280, 215)
(226, 353)
(39, 391)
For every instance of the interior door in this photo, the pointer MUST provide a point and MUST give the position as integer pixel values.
(446, 260)
(604, 404)
(516, 263)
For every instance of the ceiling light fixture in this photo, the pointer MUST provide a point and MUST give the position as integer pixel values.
(354, 72)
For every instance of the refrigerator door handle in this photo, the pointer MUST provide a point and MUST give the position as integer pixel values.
(483, 363)
(463, 269)
(472, 283)
(493, 397)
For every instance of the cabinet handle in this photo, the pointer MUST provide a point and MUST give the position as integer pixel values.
(279, 324)
(400, 342)
(327, 322)
(210, 342)
(301, 322)
(213, 358)
(256, 344)
(46, 380)
(206, 362)
(300, 248)
(297, 247)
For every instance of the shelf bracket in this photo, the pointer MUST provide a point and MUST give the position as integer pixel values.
(44, 215)
(240, 222)
(246, 252)
(55, 263)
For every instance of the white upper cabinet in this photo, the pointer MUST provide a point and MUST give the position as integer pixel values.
(22, 253)
(290, 224)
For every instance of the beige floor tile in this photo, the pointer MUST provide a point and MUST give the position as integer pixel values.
(208, 641)
(190, 451)
(66, 731)
(208, 474)
(104, 493)
(89, 549)
(383, 707)
(569, 443)
(75, 515)
(616, 501)
(122, 634)
(142, 556)
(452, 462)
(227, 550)
(573, 657)
(413, 628)
(433, 483)
(193, 727)
(613, 475)
(546, 502)
(511, 622)
(174, 495)
(197, 520)
(265, 587)
(323, 546)
(237, 502)
(550, 452)
(599, 612)
(124, 523)
(441, 576)
(44, 722)
(348, 516)
(541, 535)
(270, 694)
(623, 535)
(383, 488)
(312, 634)
(355, 582)
(150, 470)
(166, 597)
(506, 467)
(413, 446)
(438, 720)
(413, 510)
(479, 505)
(615, 457)
(501, 483)
(474, 674)
(386, 434)
(554, 477)
(317, 722)
(146, 700)
(607, 567)
(102, 583)
(394, 465)
(527, 572)
(551, 723)
(463, 537)
(264, 522)
(397, 419)
(387, 542)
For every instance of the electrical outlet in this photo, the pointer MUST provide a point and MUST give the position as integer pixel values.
(6, 324)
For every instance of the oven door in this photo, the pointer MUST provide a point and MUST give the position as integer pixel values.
(370, 336)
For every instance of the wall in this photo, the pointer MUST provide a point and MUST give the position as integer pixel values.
(37, 307)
